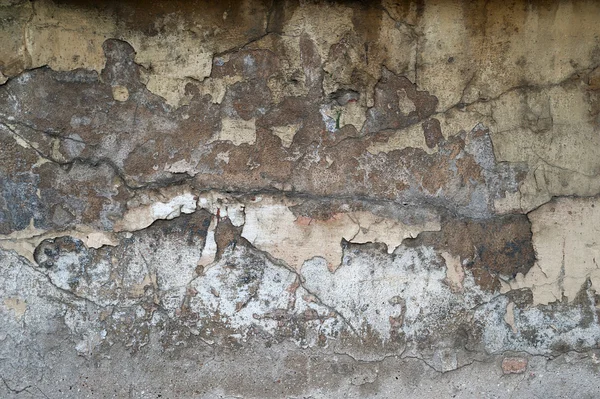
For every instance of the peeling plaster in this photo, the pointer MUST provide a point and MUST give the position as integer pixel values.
(143, 216)
(237, 131)
(343, 190)
(272, 227)
(566, 241)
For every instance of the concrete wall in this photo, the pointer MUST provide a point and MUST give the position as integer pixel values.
(299, 199)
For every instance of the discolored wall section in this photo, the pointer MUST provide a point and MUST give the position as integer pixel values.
(299, 199)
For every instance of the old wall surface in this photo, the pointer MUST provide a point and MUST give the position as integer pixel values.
(316, 199)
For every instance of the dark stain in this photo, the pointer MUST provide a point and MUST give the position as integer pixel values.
(522, 298)
(390, 92)
(120, 68)
(432, 131)
(19, 203)
(191, 228)
(153, 17)
(49, 252)
(366, 20)
(226, 235)
(280, 13)
(494, 248)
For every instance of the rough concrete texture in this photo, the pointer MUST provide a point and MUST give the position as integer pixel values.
(311, 199)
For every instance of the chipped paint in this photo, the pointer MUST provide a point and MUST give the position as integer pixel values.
(286, 133)
(143, 216)
(238, 131)
(271, 226)
(17, 305)
(566, 241)
(120, 93)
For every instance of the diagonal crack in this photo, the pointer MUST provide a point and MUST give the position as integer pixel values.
(130, 184)
(14, 390)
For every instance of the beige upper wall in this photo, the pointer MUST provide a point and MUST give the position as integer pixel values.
(462, 51)
(482, 49)
(511, 65)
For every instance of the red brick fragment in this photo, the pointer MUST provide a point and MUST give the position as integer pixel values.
(514, 365)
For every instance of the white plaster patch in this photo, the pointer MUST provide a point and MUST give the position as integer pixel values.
(272, 227)
(223, 206)
(89, 341)
(210, 245)
(223, 157)
(330, 117)
(369, 292)
(182, 166)
(244, 290)
(220, 206)
(143, 216)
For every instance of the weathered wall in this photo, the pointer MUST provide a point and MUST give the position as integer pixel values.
(315, 199)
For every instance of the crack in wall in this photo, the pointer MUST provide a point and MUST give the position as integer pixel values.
(383, 184)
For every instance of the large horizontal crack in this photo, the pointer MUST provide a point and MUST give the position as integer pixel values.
(524, 87)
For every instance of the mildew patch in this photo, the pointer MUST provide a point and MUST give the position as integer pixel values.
(404, 293)
(244, 292)
(541, 329)
(492, 250)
